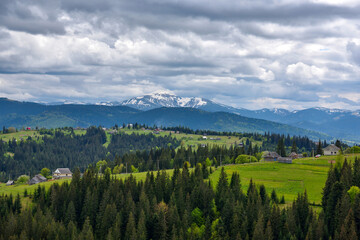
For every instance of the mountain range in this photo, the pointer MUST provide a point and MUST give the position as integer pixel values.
(198, 113)
(339, 123)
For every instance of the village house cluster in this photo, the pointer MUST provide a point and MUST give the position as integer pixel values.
(59, 173)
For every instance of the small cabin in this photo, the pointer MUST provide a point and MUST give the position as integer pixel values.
(37, 179)
(331, 150)
(294, 155)
(271, 156)
(285, 160)
(62, 173)
(9, 183)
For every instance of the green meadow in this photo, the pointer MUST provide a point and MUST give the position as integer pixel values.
(186, 139)
(20, 188)
(287, 179)
(194, 140)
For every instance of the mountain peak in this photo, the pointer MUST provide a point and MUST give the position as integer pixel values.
(164, 99)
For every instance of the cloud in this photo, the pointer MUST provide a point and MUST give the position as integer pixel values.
(354, 51)
(305, 74)
(245, 53)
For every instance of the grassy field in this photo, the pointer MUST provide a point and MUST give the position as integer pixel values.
(20, 188)
(186, 139)
(23, 135)
(287, 179)
(194, 140)
(19, 135)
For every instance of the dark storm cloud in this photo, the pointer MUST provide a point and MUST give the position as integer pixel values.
(35, 17)
(245, 53)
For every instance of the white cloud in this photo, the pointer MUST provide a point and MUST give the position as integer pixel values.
(247, 53)
(306, 74)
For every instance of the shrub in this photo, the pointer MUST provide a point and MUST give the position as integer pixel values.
(134, 169)
(46, 172)
(11, 130)
(245, 159)
(23, 179)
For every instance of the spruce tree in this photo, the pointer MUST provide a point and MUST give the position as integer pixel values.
(87, 232)
(294, 148)
(141, 229)
(356, 172)
(348, 231)
(319, 149)
(130, 232)
(346, 175)
(259, 229)
(281, 147)
(268, 232)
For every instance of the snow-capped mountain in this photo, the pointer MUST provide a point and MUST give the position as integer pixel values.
(157, 100)
(335, 122)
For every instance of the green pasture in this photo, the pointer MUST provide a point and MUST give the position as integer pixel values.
(186, 139)
(194, 140)
(24, 134)
(19, 135)
(20, 188)
(286, 179)
(141, 176)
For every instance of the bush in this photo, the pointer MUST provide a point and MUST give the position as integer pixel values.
(134, 169)
(46, 172)
(245, 159)
(23, 179)
(354, 149)
(11, 130)
(354, 190)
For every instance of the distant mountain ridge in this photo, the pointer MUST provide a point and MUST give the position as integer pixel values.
(337, 123)
(343, 124)
(23, 114)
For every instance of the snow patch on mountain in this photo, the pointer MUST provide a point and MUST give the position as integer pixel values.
(164, 99)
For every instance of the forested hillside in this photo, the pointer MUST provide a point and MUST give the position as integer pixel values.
(183, 206)
(140, 151)
(69, 150)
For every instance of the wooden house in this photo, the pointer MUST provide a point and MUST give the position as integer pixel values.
(62, 173)
(37, 179)
(331, 150)
(285, 160)
(271, 156)
(9, 183)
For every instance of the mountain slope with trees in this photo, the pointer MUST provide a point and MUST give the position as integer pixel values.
(23, 114)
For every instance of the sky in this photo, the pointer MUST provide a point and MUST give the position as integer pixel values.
(251, 53)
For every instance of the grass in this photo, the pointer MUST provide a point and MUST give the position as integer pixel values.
(141, 176)
(19, 135)
(186, 139)
(194, 140)
(286, 179)
(20, 188)
(24, 134)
